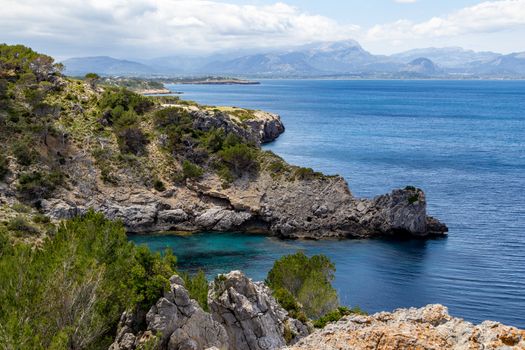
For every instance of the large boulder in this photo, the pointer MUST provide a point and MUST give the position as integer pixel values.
(430, 327)
(251, 316)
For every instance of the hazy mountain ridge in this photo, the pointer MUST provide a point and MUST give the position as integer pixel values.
(344, 58)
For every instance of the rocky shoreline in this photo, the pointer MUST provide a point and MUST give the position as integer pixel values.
(244, 315)
(313, 206)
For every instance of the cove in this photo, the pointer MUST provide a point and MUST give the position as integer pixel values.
(463, 142)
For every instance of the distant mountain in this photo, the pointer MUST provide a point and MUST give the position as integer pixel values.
(447, 57)
(104, 65)
(506, 65)
(325, 59)
(423, 66)
(346, 57)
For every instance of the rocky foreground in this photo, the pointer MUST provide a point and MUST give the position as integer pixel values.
(244, 316)
(430, 327)
(309, 205)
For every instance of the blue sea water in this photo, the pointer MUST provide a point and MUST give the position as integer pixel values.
(463, 142)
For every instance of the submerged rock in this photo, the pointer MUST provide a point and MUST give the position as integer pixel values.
(430, 327)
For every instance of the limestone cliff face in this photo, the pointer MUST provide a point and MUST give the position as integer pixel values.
(243, 315)
(430, 327)
(292, 203)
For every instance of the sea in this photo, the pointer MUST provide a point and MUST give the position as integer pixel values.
(462, 142)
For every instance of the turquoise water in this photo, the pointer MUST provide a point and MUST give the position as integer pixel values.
(461, 141)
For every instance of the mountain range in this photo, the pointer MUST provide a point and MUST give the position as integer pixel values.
(326, 59)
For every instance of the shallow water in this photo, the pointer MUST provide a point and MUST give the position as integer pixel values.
(461, 141)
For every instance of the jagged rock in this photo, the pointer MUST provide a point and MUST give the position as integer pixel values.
(267, 125)
(430, 327)
(176, 320)
(251, 316)
(220, 219)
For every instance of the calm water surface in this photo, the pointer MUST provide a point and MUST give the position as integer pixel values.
(462, 142)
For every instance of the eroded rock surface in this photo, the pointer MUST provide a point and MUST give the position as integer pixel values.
(251, 316)
(314, 206)
(176, 320)
(430, 327)
(243, 316)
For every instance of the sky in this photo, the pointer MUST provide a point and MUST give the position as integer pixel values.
(155, 28)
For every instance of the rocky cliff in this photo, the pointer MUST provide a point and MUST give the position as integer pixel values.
(291, 202)
(162, 164)
(243, 315)
(430, 327)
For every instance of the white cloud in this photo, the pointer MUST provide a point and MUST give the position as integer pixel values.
(486, 17)
(405, 1)
(162, 26)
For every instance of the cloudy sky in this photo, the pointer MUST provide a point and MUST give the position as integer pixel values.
(151, 28)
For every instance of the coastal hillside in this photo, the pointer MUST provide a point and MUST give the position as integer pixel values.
(164, 164)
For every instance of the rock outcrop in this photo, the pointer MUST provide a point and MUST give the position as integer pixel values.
(251, 316)
(290, 204)
(175, 322)
(243, 315)
(430, 327)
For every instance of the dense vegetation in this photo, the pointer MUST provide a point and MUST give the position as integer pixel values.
(71, 292)
(65, 286)
(303, 284)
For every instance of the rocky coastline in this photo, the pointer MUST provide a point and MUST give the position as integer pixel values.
(244, 315)
(310, 206)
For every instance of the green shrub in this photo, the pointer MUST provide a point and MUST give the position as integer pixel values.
(41, 219)
(132, 140)
(159, 185)
(191, 171)
(197, 286)
(125, 99)
(336, 315)
(4, 167)
(71, 292)
(240, 159)
(24, 153)
(308, 280)
(413, 198)
(36, 185)
(20, 224)
(172, 116)
(307, 174)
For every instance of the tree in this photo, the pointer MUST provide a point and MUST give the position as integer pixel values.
(92, 79)
(240, 158)
(307, 280)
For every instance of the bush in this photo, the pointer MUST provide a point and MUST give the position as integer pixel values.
(132, 140)
(308, 280)
(24, 153)
(197, 286)
(172, 116)
(191, 171)
(240, 159)
(336, 315)
(20, 224)
(125, 100)
(36, 185)
(4, 167)
(41, 219)
(307, 174)
(71, 292)
(159, 185)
